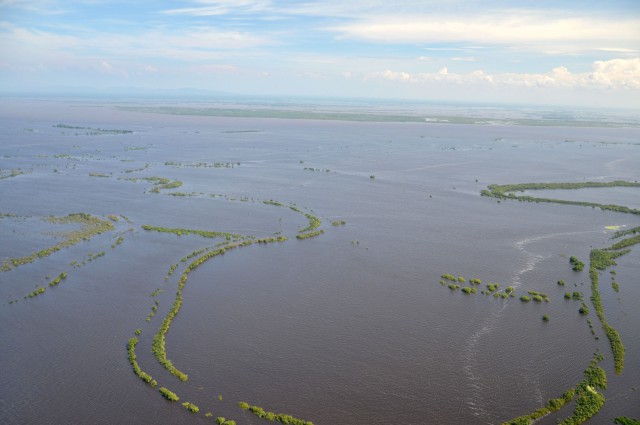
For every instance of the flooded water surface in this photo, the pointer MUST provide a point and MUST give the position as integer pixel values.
(351, 326)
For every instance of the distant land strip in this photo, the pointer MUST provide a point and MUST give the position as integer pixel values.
(371, 117)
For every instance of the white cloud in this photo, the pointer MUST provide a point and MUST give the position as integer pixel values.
(533, 30)
(43, 7)
(613, 74)
(617, 50)
(393, 76)
(21, 45)
(221, 7)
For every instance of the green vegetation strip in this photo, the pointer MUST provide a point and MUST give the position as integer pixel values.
(171, 185)
(589, 401)
(507, 192)
(314, 223)
(309, 234)
(91, 226)
(168, 394)
(58, 279)
(220, 420)
(92, 130)
(40, 290)
(273, 417)
(600, 260)
(551, 406)
(131, 350)
(191, 407)
(159, 183)
(203, 233)
(202, 164)
(7, 174)
(35, 292)
(623, 420)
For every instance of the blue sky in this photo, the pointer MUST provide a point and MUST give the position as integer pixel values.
(560, 52)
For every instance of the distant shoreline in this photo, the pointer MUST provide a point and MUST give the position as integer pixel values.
(260, 112)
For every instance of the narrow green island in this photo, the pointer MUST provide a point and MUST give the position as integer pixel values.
(273, 417)
(131, 350)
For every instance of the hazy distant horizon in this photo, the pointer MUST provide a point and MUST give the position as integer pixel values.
(212, 97)
(557, 53)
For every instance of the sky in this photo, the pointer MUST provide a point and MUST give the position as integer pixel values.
(563, 52)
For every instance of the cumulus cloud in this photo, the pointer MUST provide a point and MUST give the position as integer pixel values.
(611, 74)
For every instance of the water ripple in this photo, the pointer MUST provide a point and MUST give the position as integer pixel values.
(475, 401)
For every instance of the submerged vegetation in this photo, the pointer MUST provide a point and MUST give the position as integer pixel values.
(221, 420)
(273, 417)
(507, 192)
(314, 223)
(35, 292)
(623, 420)
(576, 264)
(90, 227)
(91, 131)
(168, 394)
(599, 261)
(58, 279)
(203, 233)
(159, 183)
(191, 407)
(309, 234)
(171, 185)
(588, 403)
(7, 174)
(202, 164)
(552, 405)
(131, 350)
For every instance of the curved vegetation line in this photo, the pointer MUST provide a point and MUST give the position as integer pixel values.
(589, 401)
(159, 340)
(231, 240)
(131, 350)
